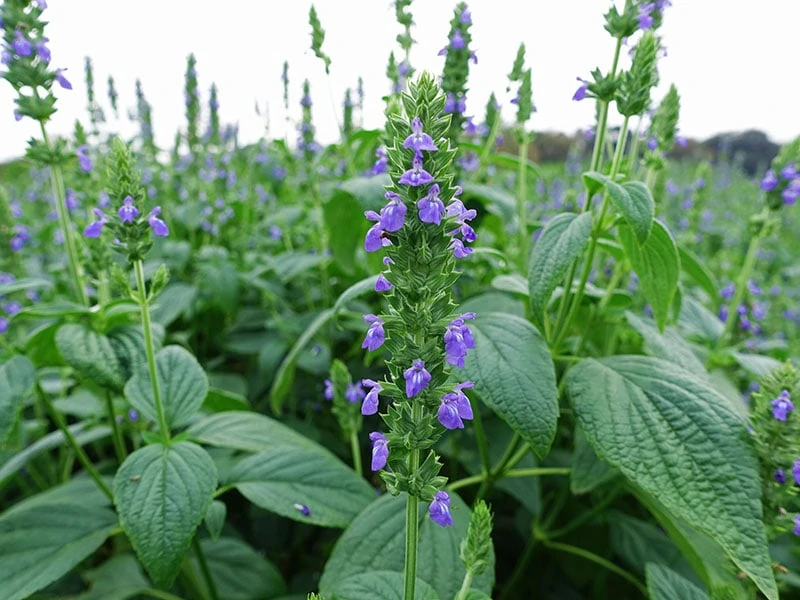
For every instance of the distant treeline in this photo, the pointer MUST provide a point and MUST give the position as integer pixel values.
(751, 150)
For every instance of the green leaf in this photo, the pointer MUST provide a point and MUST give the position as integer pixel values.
(668, 345)
(223, 400)
(588, 471)
(290, 265)
(183, 385)
(354, 291)
(368, 191)
(91, 354)
(17, 378)
(215, 518)
(54, 310)
(514, 283)
(561, 242)
(593, 182)
(119, 578)
(635, 203)
(515, 376)
(666, 584)
(249, 432)
(639, 542)
(694, 268)
(346, 225)
(284, 477)
(41, 543)
(758, 365)
(375, 541)
(176, 300)
(678, 439)
(27, 283)
(386, 585)
(162, 494)
(285, 375)
(696, 320)
(495, 200)
(239, 572)
(657, 264)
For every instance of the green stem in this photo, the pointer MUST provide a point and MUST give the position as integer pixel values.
(149, 348)
(83, 458)
(159, 594)
(522, 213)
(741, 286)
(466, 584)
(198, 550)
(516, 473)
(355, 448)
(59, 194)
(483, 159)
(599, 560)
(119, 445)
(587, 515)
(480, 438)
(412, 519)
(486, 484)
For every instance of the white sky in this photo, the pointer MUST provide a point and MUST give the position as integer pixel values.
(730, 60)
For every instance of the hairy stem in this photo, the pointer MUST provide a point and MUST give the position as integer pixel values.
(119, 445)
(201, 559)
(412, 520)
(355, 448)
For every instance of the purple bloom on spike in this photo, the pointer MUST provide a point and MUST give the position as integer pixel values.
(430, 208)
(95, 228)
(770, 181)
(327, 393)
(375, 334)
(303, 509)
(417, 378)
(439, 509)
(381, 164)
(370, 404)
(133, 414)
(417, 175)
(393, 215)
(796, 471)
(21, 45)
(782, 406)
(780, 476)
(6, 278)
(466, 17)
(459, 249)
(581, 92)
(380, 450)
(128, 212)
(63, 81)
(158, 226)
(4, 325)
(11, 308)
(42, 51)
(419, 140)
(645, 19)
(458, 339)
(796, 529)
(455, 407)
(354, 393)
(652, 144)
(791, 192)
(789, 172)
(17, 116)
(457, 41)
(454, 105)
(84, 162)
(382, 284)
(728, 291)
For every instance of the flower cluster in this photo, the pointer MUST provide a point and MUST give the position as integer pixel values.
(786, 182)
(423, 228)
(458, 55)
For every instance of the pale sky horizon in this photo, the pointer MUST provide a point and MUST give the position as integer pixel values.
(730, 62)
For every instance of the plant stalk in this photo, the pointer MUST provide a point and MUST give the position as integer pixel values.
(412, 521)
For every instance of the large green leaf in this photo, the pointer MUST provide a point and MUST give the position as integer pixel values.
(386, 585)
(176, 300)
(678, 439)
(588, 471)
(42, 542)
(635, 203)
(346, 226)
(17, 377)
(239, 572)
(640, 542)
(562, 241)
(119, 578)
(162, 494)
(284, 477)
(183, 386)
(696, 320)
(693, 266)
(666, 584)
(514, 375)
(375, 542)
(495, 200)
(668, 344)
(247, 431)
(657, 264)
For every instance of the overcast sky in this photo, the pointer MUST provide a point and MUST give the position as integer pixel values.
(732, 62)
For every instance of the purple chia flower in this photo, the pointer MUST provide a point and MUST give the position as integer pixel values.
(381, 164)
(652, 144)
(375, 334)
(419, 140)
(681, 141)
(302, 509)
(769, 182)
(21, 45)
(133, 414)
(417, 378)
(380, 450)
(11, 308)
(327, 393)
(455, 407)
(430, 208)
(417, 175)
(370, 404)
(791, 192)
(470, 162)
(796, 471)
(458, 339)
(393, 215)
(383, 284)
(354, 393)
(17, 116)
(157, 225)
(796, 530)
(782, 406)
(439, 509)
(95, 228)
(728, 291)
(789, 172)
(84, 162)
(466, 17)
(42, 51)
(71, 199)
(6, 278)
(4, 325)
(645, 18)
(128, 212)
(374, 239)
(457, 40)
(582, 91)
(275, 232)
(63, 81)
(455, 104)
(459, 249)
(305, 100)
(780, 476)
